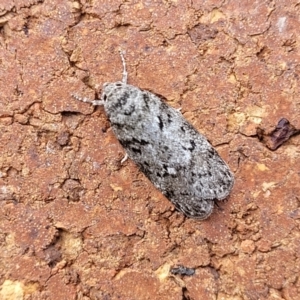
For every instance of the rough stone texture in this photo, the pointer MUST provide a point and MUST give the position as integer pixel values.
(74, 222)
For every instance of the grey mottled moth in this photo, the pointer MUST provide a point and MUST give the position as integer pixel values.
(176, 158)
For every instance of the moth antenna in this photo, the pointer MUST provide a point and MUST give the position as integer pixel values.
(125, 74)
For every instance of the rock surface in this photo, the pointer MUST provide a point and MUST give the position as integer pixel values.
(74, 222)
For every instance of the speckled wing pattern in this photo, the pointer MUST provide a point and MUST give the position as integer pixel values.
(176, 158)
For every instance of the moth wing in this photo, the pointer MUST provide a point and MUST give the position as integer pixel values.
(214, 179)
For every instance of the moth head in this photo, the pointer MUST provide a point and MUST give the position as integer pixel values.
(120, 99)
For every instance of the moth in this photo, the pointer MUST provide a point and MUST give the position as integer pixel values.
(176, 158)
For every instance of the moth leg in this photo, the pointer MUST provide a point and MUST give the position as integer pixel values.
(87, 100)
(124, 158)
(125, 74)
